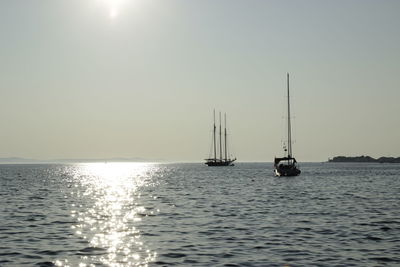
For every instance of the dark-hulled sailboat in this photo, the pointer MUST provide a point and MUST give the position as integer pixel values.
(287, 166)
(226, 161)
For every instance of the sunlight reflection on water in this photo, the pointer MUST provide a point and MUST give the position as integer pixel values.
(107, 220)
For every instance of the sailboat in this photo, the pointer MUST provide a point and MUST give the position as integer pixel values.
(221, 161)
(287, 166)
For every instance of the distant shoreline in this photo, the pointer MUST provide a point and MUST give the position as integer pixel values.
(17, 160)
(365, 159)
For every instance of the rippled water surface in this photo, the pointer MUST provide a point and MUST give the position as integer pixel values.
(137, 214)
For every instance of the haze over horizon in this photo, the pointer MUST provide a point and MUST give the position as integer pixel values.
(140, 78)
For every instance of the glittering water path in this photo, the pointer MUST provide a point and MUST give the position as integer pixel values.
(134, 214)
(111, 193)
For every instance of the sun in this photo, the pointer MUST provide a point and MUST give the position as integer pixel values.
(113, 7)
(113, 13)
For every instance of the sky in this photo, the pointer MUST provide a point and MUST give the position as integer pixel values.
(140, 78)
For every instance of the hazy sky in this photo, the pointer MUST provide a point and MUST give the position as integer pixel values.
(140, 78)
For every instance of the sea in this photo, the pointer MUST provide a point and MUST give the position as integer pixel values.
(188, 214)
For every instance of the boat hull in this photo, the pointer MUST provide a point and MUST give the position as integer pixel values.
(286, 166)
(289, 171)
(220, 163)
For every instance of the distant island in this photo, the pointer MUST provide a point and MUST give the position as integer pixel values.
(365, 159)
(18, 160)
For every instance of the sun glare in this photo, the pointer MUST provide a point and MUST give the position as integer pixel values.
(113, 7)
(113, 13)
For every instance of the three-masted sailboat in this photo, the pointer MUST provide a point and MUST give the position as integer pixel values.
(221, 161)
(287, 166)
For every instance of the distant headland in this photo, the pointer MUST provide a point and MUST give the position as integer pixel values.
(365, 159)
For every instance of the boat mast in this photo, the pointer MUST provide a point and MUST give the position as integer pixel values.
(289, 124)
(220, 137)
(226, 158)
(215, 141)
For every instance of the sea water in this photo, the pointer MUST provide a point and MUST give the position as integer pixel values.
(149, 214)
